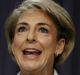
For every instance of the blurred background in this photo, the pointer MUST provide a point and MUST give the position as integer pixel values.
(72, 64)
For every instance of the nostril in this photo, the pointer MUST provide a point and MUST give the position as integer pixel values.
(31, 40)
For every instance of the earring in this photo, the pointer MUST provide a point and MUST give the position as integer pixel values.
(56, 54)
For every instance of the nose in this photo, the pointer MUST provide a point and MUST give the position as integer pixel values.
(31, 37)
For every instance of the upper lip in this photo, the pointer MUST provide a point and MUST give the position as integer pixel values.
(31, 49)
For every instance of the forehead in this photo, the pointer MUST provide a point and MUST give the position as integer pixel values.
(35, 15)
(34, 12)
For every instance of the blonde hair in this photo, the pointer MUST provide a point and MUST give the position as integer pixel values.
(57, 13)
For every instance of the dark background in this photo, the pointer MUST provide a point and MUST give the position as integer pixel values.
(72, 64)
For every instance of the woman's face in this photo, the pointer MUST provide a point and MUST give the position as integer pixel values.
(35, 40)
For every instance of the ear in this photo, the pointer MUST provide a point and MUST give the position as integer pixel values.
(60, 47)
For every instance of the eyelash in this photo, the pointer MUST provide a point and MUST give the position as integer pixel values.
(22, 29)
(43, 30)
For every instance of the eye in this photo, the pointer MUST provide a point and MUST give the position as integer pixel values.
(22, 29)
(43, 30)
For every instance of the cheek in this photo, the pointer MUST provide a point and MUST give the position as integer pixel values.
(18, 41)
(49, 47)
(48, 43)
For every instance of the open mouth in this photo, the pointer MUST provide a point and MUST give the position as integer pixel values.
(32, 51)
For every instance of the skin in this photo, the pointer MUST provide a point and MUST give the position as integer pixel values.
(36, 30)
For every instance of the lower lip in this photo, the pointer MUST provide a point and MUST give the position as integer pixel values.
(31, 56)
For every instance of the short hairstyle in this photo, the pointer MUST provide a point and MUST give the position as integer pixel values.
(58, 14)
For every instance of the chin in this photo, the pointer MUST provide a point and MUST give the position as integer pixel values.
(30, 66)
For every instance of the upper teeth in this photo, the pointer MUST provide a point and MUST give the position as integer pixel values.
(31, 51)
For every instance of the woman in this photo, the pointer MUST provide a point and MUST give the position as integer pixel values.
(40, 34)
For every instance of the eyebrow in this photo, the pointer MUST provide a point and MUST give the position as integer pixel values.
(22, 23)
(39, 24)
(42, 24)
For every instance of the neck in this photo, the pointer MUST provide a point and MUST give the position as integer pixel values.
(45, 71)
